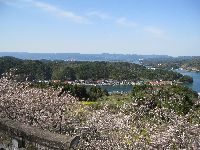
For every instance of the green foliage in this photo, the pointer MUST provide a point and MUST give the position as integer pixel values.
(177, 98)
(189, 63)
(30, 146)
(139, 89)
(61, 70)
(8, 62)
(97, 92)
(76, 90)
(81, 92)
(195, 115)
(160, 74)
(64, 73)
(22, 70)
(186, 79)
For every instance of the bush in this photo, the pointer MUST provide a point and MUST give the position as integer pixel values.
(177, 98)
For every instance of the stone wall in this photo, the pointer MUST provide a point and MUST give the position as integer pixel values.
(15, 136)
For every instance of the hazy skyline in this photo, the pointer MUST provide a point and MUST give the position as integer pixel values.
(170, 27)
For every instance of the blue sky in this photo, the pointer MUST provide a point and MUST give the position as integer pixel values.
(169, 27)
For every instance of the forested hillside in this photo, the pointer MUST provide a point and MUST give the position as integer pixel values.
(75, 70)
(189, 63)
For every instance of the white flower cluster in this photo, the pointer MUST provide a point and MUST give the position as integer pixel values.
(131, 125)
(37, 107)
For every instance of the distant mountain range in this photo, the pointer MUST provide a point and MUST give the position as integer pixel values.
(82, 57)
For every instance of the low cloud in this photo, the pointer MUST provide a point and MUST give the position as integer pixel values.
(50, 9)
(98, 14)
(122, 21)
(155, 31)
(125, 22)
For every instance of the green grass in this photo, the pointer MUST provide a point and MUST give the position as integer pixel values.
(88, 103)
